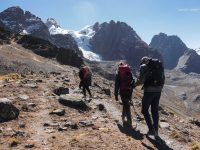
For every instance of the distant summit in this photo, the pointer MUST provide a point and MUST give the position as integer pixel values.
(117, 40)
(16, 20)
(52, 22)
(170, 47)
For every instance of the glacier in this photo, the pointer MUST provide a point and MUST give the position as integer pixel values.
(82, 37)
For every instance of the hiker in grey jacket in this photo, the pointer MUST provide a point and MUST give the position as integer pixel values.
(152, 78)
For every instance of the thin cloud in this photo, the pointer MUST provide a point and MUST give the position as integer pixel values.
(85, 11)
(189, 10)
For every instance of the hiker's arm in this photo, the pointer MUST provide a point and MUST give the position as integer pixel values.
(80, 74)
(142, 76)
(116, 87)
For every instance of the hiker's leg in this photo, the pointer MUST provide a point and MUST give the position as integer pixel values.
(123, 109)
(126, 109)
(154, 110)
(146, 102)
(87, 88)
(84, 91)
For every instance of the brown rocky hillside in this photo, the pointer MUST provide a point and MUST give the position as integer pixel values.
(53, 115)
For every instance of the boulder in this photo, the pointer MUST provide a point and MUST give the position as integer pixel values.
(61, 90)
(74, 101)
(7, 110)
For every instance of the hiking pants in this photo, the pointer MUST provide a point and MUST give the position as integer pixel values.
(126, 112)
(151, 99)
(84, 90)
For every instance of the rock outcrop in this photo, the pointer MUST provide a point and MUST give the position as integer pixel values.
(117, 40)
(7, 110)
(66, 41)
(189, 62)
(170, 47)
(48, 50)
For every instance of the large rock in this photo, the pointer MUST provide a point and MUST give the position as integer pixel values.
(74, 101)
(189, 62)
(118, 41)
(7, 110)
(170, 47)
(61, 90)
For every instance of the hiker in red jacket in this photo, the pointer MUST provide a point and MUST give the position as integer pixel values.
(124, 84)
(85, 76)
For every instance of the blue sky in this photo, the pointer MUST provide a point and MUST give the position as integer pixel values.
(146, 17)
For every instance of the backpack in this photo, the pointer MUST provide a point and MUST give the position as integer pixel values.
(86, 72)
(125, 75)
(156, 75)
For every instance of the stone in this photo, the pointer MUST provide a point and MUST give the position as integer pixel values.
(86, 123)
(7, 110)
(101, 107)
(164, 125)
(59, 112)
(39, 81)
(61, 91)
(22, 125)
(19, 133)
(31, 104)
(71, 125)
(62, 129)
(195, 121)
(74, 101)
(29, 145)
(24, 97)
(107, 92)
(31, 85)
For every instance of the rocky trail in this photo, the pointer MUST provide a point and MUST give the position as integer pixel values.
(53, 115)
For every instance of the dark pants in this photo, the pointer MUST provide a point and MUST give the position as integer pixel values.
(84, 90)
(151, 99)
(126, 112)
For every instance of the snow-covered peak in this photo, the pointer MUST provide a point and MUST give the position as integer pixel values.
(198, 51)
(82, 37)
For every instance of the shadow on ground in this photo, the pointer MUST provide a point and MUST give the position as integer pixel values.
(159, 143)
(130, 131)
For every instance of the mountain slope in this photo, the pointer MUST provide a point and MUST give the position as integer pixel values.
(18, 21)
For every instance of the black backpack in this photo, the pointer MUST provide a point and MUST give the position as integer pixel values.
(156, 76)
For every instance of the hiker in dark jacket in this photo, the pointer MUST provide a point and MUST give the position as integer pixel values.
(124, 84)
(85, 79)
(152, 77)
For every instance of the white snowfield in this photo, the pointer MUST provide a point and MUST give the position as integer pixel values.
(82, 37)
